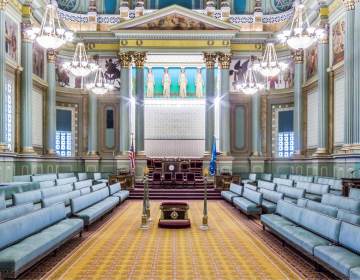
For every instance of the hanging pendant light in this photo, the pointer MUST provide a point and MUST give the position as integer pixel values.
(80, 65)
(249, 85)
(51, 34)
(100, 85)
(301, 34)
(269, 66)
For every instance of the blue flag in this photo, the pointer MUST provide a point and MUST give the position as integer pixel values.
(212, 166)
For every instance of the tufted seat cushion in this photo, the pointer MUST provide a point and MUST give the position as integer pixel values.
(94, 212)
(303, 238)
(338, 258)
(275, 221)
(355, 273)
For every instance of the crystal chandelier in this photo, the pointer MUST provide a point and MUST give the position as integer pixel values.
(269, 66)
(51, 34)
(80, 65)
(249, 84)
(301, 35)
(100, 85)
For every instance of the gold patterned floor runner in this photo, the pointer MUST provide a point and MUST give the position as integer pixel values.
(119, 249)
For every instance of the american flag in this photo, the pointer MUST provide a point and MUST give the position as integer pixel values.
(132, 155)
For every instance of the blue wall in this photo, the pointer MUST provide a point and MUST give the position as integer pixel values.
(184, 3)
(239, 6)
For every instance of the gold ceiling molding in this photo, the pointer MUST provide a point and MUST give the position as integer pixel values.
(335, 5)
(176, 44)
(240, 47)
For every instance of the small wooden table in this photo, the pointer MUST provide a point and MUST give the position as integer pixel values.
(348, 183)
(127, 181)
(222, 182)
(174, 214)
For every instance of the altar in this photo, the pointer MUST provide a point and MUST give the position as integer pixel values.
(174, 214)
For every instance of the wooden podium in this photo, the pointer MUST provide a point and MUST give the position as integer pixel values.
(222, 182)
(126, 180)
(348, 183)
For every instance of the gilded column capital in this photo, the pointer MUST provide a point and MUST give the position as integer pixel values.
(210, 59)
(125, 59)
(51, 56)
(224, 60)
(349, 4)
(299, 56)
(139, 59)
(3, 4)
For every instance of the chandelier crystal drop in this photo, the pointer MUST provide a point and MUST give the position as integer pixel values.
(80, 65)
(269, 66)
(249, 85)
(100, 85)
(51, 34)
(301, 34)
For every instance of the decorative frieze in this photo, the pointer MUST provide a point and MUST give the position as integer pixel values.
(224, 60)
(210, 59)
(299, 56)
(51, 56)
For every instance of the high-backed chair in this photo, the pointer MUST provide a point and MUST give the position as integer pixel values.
(168, 178)
(184, 166)
(156, 178)
(179, 178)
(190, 178)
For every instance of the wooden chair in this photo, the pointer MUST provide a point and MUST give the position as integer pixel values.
(179, 178)
(168, 178)
(156, 178)
(190, 179)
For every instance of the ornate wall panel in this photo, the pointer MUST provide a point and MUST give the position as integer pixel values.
(339, 109)
(312, 119)
(37, 118)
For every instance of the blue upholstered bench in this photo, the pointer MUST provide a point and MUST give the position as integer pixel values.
(98, 186)
(61, 198)
(2, 201)
(15, 211)
(29, 238)
(66, 175)
(270, 199)
(93, 206)
(266, 185)
(252, 178)
(354, 193)
(249, 203)
(82, 176)
(290, 194)
(301, 178)
(115, 190)
(99, 178)
(333, 243)
(313, 191)
(44, 177)
(234, 191)
(28, 197)
(335, 184)
(83, 184)
(283, 182)
(266, 177)
(250, 186)
(65, 181)
(57, 190)
(47, 184)
(345, 203)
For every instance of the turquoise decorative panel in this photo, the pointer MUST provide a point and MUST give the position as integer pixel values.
(282, 5)
(184, 3)
(110, 6)
(239, 6)
(174, 74)
(239, 127)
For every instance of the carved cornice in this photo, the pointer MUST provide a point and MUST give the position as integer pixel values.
(224, 60)
(139, 59)
(349, 5)
(210, 59)
(125, 59)
(299, 56)
(3, 4)
(51, 56)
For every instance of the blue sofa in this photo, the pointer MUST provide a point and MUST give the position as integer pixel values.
(266, 185)
(284, 182)
(252, 178)
(234, 191)
(270, 200)
(47, 184)
(290, 194)
(28, 197)
(301, 178)
(61, 198)
(266, 177)
(313, 191)
(354, 193)
(98, 186)
(98, 177)
(2, 201)
(83, 184)
(15, 211)
(115, 190)
(341, 202)
(57, 190)
(335, 184)
(65, 181)
(29, 238)
(90, 207)
(330, 242)
(250, 202)
(82, 176)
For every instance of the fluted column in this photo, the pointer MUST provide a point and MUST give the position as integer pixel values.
(3, 145)
(224, 61)
(349, 71)
(298, 102)
(323, 88)
(139, 60)
(255, 130)
(93, 131)
(26, 88)
(51, 102)
(125, 95)
(210, 60)
(356, 103)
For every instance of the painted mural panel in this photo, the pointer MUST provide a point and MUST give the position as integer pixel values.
(11, 38)
(338, 34)
(286, 77)
(238, 68)
(240, 127)
(38, 60)
(311, 62)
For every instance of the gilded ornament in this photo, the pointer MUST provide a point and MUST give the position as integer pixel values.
(224, 60)
(3, 4)
(51, 56)
(349, 5)
(139, 59)
(125, 59)
(210, 59)
(299, 56)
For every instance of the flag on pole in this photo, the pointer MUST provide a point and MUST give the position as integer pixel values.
(212, 166)
(132, 154)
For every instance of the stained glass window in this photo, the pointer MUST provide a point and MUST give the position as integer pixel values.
(285, 144)
(64, 137)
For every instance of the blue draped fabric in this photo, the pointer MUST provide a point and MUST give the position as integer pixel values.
(239, 6)
(110, 6)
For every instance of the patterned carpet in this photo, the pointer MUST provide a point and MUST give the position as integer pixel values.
(234, 247)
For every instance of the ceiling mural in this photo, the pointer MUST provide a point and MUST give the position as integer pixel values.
(282, 5)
